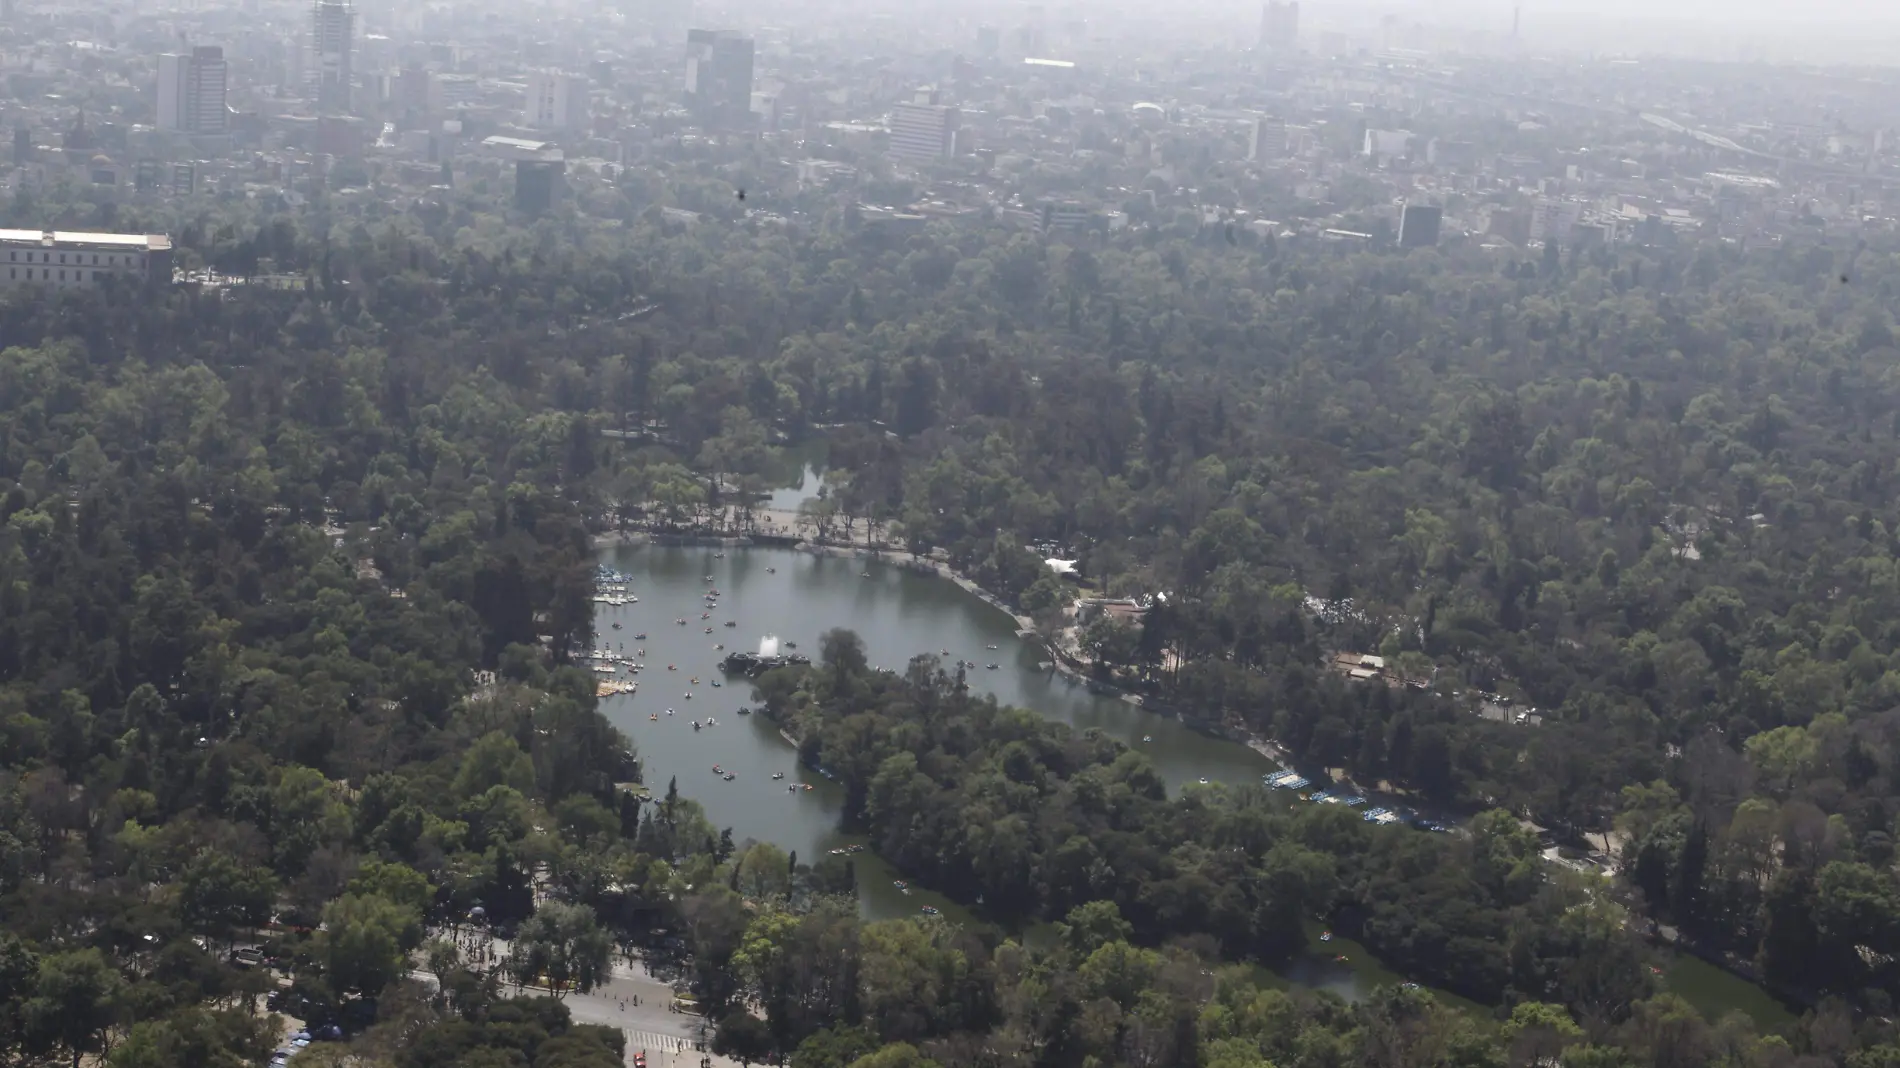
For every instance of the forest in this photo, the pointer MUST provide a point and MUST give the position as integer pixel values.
(292, 575)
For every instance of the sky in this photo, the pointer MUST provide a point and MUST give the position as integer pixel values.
(1714, 14)
(1862, 31)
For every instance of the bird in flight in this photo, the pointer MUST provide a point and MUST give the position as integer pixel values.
(741, 194)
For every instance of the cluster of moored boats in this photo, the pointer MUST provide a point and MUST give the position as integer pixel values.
(1292, 780)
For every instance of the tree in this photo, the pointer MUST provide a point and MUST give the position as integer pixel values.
(563, 946)
(1505, 856)
(1089, 927)
(19, 974)
(393, 882)
(842, 652)
(764, 872)
(895, 1055)
(743, 1037)
(834, 1047)
(1538, 1033)
(494, 760)
(197, 1037)
(75, 1003)
(218, 894)
(365, 942)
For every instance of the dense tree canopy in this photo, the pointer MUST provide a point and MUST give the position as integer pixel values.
(292, 575)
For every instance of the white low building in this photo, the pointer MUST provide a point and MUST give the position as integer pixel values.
(76, 258)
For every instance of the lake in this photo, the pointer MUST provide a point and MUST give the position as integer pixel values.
(900, 613)
(797, 596)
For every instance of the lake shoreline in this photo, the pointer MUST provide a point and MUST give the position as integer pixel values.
(1062, 663)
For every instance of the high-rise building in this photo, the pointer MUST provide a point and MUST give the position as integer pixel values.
(1419, 225)
(1280, 26)
(1552, 220)
(332, 36)
(191, 92)
(556, 101)
(719, 78)
(1267, 139)
(923, 129)
(538, 183)
(184, 179)
(409, 92)
(989, 40)
(1063, 215)
(1386, 144)
(1452, 155)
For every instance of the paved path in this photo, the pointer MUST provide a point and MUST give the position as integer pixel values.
(641, 1007)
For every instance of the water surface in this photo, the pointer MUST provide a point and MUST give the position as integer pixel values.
(797, 596)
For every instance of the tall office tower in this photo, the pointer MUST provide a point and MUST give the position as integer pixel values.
(1267, 139)
(923, 130)
(1552, 220)
(1419, 225)
(191, 92)
(556, 101)
(538, 184)
(410, 91)
(1280, 26)
(332, 33)
(719, 78)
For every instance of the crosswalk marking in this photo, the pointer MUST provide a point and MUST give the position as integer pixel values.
(653, 1041)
